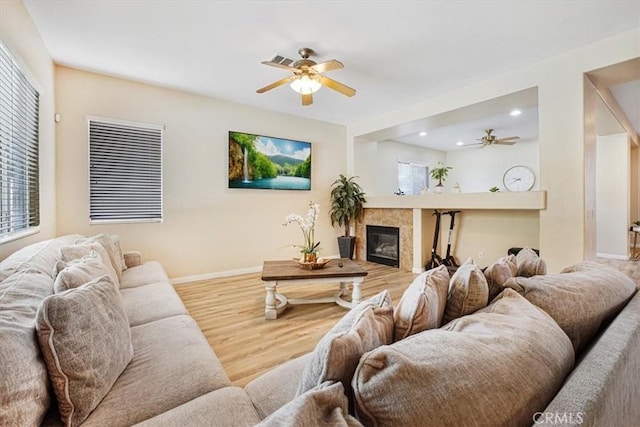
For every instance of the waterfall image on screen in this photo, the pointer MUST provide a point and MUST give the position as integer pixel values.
(264, 162)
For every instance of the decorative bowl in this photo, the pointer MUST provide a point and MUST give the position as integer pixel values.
(319, 263)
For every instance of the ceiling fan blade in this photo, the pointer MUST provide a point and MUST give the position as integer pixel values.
(327, 66)
(307, 99)
(502, 142)
(276, 84)
(337, 86)
(507, 138)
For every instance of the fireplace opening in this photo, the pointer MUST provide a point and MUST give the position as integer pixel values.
(383, 245)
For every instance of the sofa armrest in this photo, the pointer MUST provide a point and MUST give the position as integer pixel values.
(132, 258)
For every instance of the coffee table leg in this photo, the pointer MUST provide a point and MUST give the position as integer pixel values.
(270, 312)
(355, 295)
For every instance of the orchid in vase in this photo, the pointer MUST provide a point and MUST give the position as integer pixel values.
(309, 249)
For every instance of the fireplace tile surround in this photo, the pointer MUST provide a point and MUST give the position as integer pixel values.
(401, 218)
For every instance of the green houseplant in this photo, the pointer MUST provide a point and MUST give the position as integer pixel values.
(440, 173)
(347, 205)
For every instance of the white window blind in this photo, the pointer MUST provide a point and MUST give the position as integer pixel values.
(19, 175)
(125, 173)
(412, 178)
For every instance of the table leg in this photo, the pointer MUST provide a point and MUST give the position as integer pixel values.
(270, 312)
(343, 288)
(355, 295)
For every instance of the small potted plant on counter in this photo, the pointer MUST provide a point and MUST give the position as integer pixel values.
(347, 205)
(440, 173)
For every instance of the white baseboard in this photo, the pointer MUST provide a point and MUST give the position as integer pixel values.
(613, 256)
(220, 274)
(216, 275)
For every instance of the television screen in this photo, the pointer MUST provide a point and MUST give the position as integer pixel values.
(265, 162)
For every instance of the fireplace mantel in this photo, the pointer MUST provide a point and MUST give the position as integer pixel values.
(530, 200)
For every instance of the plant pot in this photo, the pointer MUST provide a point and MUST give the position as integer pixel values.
(346, 245)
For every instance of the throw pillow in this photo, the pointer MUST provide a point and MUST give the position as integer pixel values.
(365, 327)
(323, 405)
(530, 264)
(111, 247)
(78, 251)
(495, 367)
(422, 304)
(468, 292)
(498, 273)
(85, 341)
(73, 274)
(579, 301)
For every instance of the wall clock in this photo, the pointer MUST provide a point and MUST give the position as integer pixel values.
(519, 178)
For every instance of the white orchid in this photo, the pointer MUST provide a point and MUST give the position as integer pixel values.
(307, 225)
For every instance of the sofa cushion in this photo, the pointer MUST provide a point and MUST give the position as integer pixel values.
(75, 273)
(41, 256)
(86, 344)
(228, 406)
(496, 367)
(172, 364)
(530, 264)
(23, 375)
(365, 327)
(498, 273)
(468, 292)
(76, 252)
(277, 387)
(579, 301)
(111, 244)
(149, 272)
(323, 405)
(422, 304)
(151, 302)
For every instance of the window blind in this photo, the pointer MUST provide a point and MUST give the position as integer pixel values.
(412, 178)
(125, 172)
(19, 127)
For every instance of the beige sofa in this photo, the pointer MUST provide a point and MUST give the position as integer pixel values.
(175, 378)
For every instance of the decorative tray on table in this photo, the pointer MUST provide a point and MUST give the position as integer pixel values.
(319, 263)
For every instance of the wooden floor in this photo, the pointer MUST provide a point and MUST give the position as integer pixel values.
(230, 312)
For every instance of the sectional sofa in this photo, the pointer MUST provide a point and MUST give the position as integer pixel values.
(121, 349)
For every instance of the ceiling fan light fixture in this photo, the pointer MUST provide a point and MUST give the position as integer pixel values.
(306, 84)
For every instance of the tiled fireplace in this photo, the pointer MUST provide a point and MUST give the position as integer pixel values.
(399, 219)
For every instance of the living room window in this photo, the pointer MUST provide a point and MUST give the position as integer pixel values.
(125, 171)
(19, 140)
(412, 178)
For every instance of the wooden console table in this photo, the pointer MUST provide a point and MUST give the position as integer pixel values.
(288, 272)
(635, 231)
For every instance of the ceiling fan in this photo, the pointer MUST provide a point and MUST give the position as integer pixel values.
(307, 78)
(491, 139)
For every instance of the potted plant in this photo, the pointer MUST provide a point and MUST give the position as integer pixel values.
(347, 205)
(440, 173)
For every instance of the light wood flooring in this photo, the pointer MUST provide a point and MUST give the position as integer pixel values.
(230, 313)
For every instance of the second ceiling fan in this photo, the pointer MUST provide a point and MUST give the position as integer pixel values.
(307, 78)
(490, 139)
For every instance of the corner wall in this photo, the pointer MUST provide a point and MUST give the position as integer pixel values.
(19, 34)
(207, 227)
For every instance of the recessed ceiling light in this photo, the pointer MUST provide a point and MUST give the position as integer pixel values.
(459, 143)
(423, 133)
(515, 112)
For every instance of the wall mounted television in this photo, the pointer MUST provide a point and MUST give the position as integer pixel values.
(265, 162)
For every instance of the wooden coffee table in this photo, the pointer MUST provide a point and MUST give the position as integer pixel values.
(289, 272)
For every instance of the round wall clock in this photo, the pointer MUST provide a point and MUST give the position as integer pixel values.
(519, 178)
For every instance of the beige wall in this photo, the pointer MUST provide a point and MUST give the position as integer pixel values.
(612, 196)
(207, 228)
(20, 36)
(561, 133)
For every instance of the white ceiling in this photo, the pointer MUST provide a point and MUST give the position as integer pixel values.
(395, 52)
